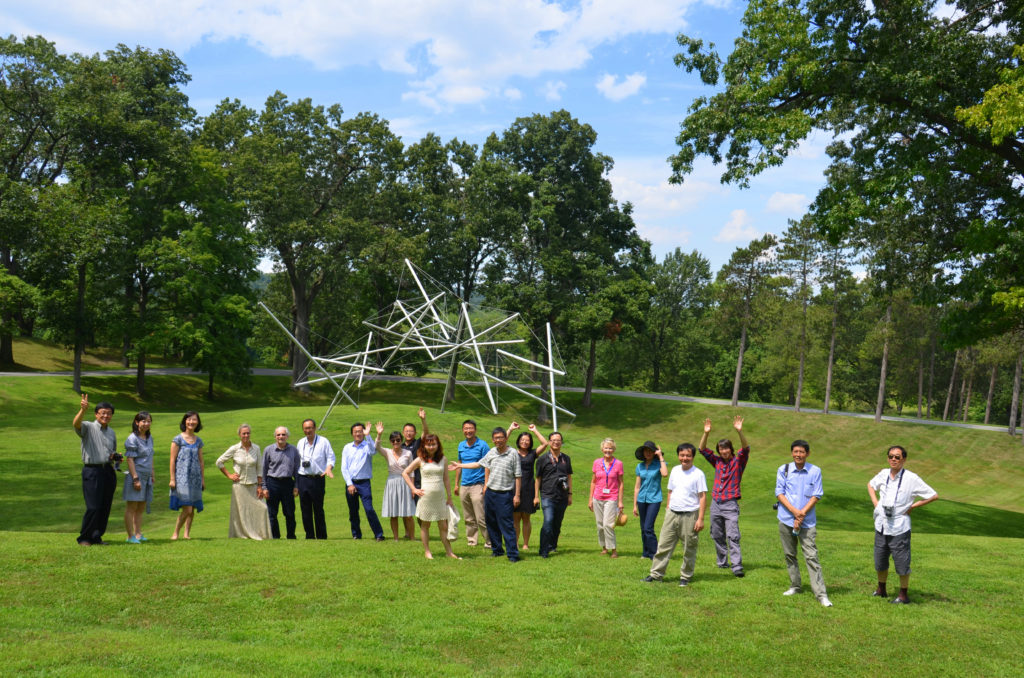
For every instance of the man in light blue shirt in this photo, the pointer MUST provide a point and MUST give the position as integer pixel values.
(357, 469)
(798, 488)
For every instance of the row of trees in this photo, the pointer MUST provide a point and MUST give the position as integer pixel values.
(127, 220)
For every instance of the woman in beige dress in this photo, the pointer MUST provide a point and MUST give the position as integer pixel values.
(435, 495)
(249, 519)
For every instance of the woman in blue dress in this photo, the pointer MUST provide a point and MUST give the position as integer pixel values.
(188, 478)
(138, 484)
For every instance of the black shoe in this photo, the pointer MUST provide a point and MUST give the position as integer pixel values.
(683, 582)
(740, 574)
(514, 560)
(878, 594)
(900, 601)
(649, 578)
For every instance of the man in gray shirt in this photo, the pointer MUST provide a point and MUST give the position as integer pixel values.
(502, 482)
(280, 466)
(99, 444)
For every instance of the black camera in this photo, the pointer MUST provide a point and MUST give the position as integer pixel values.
(305, 464)
(563, 483)
(775, 506)
(889, 511)
(117, 458)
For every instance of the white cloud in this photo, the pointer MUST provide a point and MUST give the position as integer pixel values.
(553, 90)
(738, 228)
(513, 93)
(787, 203)
(457, 52)
(610, 86)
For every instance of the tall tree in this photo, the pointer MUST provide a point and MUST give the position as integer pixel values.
(306, 175)
(570, 232)
(799, 255)
(740, 280)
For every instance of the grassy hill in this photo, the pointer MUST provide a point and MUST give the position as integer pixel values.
(215, 606)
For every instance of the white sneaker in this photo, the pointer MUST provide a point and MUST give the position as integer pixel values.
(792, 591)
(825, 602)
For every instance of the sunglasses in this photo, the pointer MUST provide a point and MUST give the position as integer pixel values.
(895, 456)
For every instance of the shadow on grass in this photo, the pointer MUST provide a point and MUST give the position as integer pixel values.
(848, 510)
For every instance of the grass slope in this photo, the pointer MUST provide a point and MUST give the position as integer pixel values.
(215, 606)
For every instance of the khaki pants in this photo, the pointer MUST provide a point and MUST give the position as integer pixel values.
(472, 498)
(810, 549)
(605, 513)
(678, 527)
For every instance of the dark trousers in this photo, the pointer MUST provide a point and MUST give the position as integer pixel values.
(311, 501)
(364, 493)
(648, 514)
(498, 509)
(280, 492)
(554, 511)
(98, 485)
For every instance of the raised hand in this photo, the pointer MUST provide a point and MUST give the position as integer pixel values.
(380, 427)
(707, 425)
(737, 423)
(532, 427)
(422, 413)
(85, 401)
(513, 426)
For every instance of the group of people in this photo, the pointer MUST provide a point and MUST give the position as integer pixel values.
(499, 486)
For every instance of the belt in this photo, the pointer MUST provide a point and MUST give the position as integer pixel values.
(106, 463)
(682, 513)
(279, 477)
(501, 491)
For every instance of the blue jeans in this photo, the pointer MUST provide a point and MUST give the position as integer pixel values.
(498, 509)
(364, 493)
(554, 511)
(648, 514)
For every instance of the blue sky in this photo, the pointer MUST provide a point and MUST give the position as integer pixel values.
(463, 69)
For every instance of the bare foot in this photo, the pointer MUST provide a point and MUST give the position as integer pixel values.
(174, 537)
(429, 555)
(452, 555)
(604, 551)
(526, 547)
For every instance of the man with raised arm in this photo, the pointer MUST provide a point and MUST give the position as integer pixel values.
(99, 447)
(725, 495)
(357, 468)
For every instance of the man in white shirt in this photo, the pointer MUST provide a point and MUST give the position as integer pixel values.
(896, 489)
(687, 501)
(316, 461)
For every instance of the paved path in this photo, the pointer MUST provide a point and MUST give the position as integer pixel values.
(267, 372)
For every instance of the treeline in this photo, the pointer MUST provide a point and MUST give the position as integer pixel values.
(128, 220)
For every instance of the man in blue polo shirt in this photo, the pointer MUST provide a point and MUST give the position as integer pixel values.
(469, 483)
(798, 488)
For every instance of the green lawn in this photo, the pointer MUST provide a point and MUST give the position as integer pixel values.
(215, 606)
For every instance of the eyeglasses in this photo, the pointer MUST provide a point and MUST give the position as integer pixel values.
(895, 456)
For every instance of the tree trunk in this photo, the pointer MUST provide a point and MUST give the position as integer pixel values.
(931, 377)
(963, 390)
(920, 383)
(542, 410)
(126, 345)
(209, 386)
(952, 382)
(880, 403)
(831, 358)
(591, 369)
(991, 391)
(300, 322)
(6, 344)
(1015, 401)
(140, 373)
(803, 357)
(79, 329)
(970, 390)
(739, 366)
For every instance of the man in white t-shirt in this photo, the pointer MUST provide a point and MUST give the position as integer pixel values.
(896, 488)
(687, 501)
